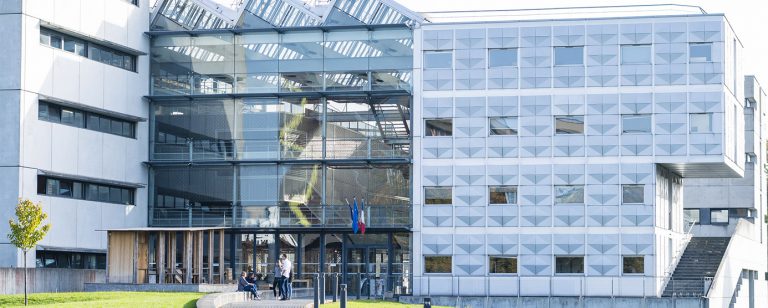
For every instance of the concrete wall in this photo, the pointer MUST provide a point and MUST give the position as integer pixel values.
(47, 279)
(523, 302)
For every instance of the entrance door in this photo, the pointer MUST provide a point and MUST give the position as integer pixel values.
(367, 271)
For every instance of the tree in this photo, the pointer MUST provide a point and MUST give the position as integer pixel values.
(28, 230)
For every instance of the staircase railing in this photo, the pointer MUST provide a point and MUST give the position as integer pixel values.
(678, 253)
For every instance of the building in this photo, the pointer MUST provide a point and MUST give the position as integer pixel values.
(503, 155)
(74, 123)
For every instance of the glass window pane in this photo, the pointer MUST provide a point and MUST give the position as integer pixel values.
(115, 195)
(65, 188)
(502, 265)
(42, 111)
(569, 265)
(438, 264)
(103, 193)
(502, 194)
(569, 194)
(719, 216)
(438, 195)
(67, 116)
(634, 265)
(92, 192)
(569, 55)
(438, 59)
(503, 126)
(701, 122)
(502, 57)
(701, 52)
(633, 194)
(56, 41)
(691, 216)
(569, 124)
(438, 127)
(636, 54)
(636, 123)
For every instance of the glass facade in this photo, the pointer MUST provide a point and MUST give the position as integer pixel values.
(275, 133)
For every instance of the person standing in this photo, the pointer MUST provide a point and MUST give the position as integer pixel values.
(276, 282)
(285, 270)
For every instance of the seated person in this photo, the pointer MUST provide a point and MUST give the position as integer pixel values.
(244, 285)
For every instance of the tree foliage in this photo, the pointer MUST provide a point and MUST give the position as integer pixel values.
(28, 230)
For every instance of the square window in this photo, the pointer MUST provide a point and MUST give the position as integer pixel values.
(635, 123)
(502, 126)
(718, 216)
(569, 194)
(502, 57)
(569, 125)
(502, 194)
(636, 54)
(502, 265)
(700, 52)
(633, 194)
(569, 265)
(634, 264)
(691, 216)
(438, 195)
(438, 59)
(438, 127)
(569, 55)
(438, 264)
(701, 122)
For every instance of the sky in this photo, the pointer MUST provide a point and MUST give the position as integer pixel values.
(749, 19)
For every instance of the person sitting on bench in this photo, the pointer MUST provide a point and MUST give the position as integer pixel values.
(244, 285)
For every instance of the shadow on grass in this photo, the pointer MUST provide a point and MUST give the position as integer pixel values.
(191, 304)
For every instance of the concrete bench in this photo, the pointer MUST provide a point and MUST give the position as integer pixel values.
(217, 300)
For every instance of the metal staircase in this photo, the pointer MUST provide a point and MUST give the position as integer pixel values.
(697, 266)
(392, 120)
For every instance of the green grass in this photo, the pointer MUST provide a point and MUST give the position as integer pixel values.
(104, 299)
(373, 304)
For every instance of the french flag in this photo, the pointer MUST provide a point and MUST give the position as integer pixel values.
(361, 219)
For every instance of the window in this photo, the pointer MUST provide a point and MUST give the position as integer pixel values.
(635, 123)
(700, 52)
(87, 49)
(69, 259)
(438, 264)
(569, 55)
(635, 54)
(565, 194)
(569, 125)
(502, 265)
(438, 195)
(502, 194)
(701, 122)
(569, 265)
(633, 194)
(691, 216)
(500, 126)
(438, 59)
(718, 216)
(502, 57)
(74, 189)
(438, 127)
(51, 112)
(134, 2)
(740, 213)
(633, 264)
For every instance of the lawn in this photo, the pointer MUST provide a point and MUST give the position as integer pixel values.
(374, 304)
(104, 299)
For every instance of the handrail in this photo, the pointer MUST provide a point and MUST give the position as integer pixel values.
(721, 268)
(687, 235)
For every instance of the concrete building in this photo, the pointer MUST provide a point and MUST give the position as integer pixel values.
(74, 123)
(504, 158)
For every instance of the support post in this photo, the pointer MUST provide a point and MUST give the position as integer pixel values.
(188, 243)
(316, 287)
(135, 277)
(221, 257)
(199, 255)
(160, 258)
(343, 301)
(210, 256)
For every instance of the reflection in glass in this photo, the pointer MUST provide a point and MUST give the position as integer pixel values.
(503, 126)
(701, 122)
(633, 194)
(633, 265)
(438, 127)
(569, 125)
(635, 54)
(565, 194)
(438, 264)
(502, 57)
(691, 216)
(438, 195)
(569, 265)
(569, 55)
(718, 216)
(502, 194)
(635, 123)
(700, 52)
(502, 265)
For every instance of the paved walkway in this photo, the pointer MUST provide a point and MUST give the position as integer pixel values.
(294, 303)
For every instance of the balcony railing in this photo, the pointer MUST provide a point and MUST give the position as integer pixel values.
(311, 149)
(288, 216)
